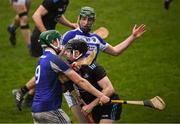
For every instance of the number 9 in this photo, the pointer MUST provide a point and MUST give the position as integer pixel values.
(37, 73)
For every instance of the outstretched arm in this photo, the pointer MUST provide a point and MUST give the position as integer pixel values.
(118, 49)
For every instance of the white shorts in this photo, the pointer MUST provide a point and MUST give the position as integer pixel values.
(70, 99)
(18, 2)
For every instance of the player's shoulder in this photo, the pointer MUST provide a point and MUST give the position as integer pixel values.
(96, 67)
(47, 1)
(95, 35)
(47, 4)
(56, 59)
(98, 37)
(52, 1)
(71, 32)
(50, 56)
(69, 35)
(93, 66)
(50, 4)
(97, 71)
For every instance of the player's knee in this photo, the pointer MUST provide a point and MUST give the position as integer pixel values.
(24, 26)
(23, 15)
(24, 20)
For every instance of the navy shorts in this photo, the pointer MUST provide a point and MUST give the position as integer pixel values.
(108, 111)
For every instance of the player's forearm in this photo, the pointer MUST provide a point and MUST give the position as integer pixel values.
(108, 92)
(38, 22)
(83, 83)
(31, 83)
(94, 103)
(65, 21)
(124, 45)
(136, 32)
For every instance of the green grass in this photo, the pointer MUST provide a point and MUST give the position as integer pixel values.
(149, 67)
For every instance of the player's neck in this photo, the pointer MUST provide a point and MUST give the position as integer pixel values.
(82, 31)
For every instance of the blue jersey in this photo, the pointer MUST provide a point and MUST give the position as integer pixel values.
(93, 41)
(48, 93)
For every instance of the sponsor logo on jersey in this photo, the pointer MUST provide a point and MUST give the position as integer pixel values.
(86, 76)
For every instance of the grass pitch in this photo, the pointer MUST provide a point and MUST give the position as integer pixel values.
(149, 67)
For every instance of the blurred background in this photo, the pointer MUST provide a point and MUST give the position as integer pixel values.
(149, 67)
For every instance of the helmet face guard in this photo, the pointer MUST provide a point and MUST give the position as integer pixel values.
(74, 55)
(56, 47)
(77, 45)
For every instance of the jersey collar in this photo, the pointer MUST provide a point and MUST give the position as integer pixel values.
(51, 51)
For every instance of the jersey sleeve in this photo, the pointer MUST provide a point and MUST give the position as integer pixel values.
(99, 72)
(47, 4)
(102, 43)
(67, 36)
(59, 65)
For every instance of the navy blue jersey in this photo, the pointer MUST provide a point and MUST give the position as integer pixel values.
(93, 74)
(93, 41)
(55, 9)
(48, 93)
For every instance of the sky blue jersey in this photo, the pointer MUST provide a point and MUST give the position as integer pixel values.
(48, 93)
(93, 41)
